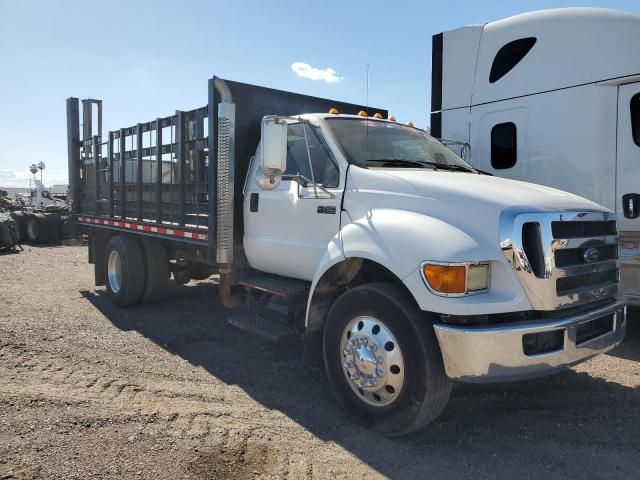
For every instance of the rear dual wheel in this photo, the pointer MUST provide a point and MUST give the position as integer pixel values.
(137, 271)
(383, 361)
(40, 228)
(125, 270)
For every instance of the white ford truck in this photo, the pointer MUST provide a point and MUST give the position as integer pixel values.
(379, 247)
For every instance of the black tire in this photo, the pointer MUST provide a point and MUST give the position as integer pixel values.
(129, 287)
(36, 228)
(156, 270)
(21, 224)
(42, 228)
(425, 389)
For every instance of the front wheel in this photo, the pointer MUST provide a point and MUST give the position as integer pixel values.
(383, 361)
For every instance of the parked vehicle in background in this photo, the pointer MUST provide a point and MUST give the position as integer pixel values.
(41, 197)
(386, 252)
(9, 236)
(40, 217)
(551, 97)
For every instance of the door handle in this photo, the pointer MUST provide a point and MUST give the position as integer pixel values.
(631, 205)
(253, 202)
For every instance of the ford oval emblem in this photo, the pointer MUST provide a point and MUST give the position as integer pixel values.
(591, 255)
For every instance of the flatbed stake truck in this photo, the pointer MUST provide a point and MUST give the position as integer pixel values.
(370, 240)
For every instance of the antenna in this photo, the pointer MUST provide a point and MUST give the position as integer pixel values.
(367, 89)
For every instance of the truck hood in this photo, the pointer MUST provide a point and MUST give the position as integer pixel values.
(470, 202)
(461, 187)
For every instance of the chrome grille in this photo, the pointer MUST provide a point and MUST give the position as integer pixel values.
(562, 259)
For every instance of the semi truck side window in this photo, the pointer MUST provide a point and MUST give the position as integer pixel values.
(635, 118)
(504, 146)
(325, 171)
(509, 56)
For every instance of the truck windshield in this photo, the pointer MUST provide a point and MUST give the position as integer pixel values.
(373, 143)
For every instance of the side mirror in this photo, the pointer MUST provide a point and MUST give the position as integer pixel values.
(273, 156)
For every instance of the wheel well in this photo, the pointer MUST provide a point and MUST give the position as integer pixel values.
(340, 278)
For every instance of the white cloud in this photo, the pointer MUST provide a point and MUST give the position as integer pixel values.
(304, 70)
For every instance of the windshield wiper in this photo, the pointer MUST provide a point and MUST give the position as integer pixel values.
(399, 162)
(453, 168)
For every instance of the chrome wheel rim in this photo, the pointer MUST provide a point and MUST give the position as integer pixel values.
(372, 361)
(114, 271)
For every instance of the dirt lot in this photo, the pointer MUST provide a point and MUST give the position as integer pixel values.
(174, 391)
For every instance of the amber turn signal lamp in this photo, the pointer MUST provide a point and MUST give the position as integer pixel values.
(446, 278)
(362, 113)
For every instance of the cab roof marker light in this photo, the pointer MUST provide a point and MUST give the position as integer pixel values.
(391, 118)
(334, 111)
(362, 113)
(377, 115)
(409, 123)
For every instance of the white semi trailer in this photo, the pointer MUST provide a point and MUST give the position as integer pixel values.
(403, 265)
(551, 97)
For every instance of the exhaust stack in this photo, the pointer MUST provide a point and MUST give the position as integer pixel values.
(225, 192)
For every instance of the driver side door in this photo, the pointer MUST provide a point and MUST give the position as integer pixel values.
(287, 229)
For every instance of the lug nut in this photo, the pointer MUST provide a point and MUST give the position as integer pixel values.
(347, 351)
(372, 348)
(348, 363)
(354, 342)
(363, 341)
(379, 372)
(380, 360)
(354, 376)
(371, 383)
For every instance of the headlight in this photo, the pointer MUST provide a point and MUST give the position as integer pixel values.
(456, 279)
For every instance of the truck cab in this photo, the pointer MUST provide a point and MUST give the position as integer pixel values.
(403, 266)
(550, 97)
(41, 197)
(391, 198)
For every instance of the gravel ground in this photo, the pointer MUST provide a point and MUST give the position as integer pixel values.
(88, 390)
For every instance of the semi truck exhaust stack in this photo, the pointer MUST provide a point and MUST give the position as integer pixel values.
(224, 186)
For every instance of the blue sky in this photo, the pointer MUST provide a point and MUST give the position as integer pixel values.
(147, 58)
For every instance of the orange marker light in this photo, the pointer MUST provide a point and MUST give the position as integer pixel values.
(334, 111)
(377, 115)
(362, 113)
(391, 118)
(446, 278)
(409, 124)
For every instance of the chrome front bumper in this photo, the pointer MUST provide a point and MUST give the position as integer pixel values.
(497, 353)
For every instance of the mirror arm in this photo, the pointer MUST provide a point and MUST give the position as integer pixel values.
(303, 181)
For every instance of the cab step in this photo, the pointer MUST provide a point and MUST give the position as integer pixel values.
(257, 324)
(274, 285)
(275, 306)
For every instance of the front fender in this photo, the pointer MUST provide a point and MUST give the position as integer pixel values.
(401, 240)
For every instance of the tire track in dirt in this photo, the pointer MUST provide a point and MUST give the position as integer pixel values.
(172, 412)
